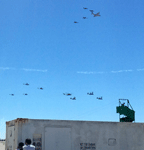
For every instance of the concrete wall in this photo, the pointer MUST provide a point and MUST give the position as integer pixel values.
(78, 135)
(2, 145)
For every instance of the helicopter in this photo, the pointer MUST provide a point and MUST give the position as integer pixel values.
(40, 88)
(74, 98)
(25, 84)
(100, 98)
(11, 94)
(75, 22)
(25, 94)
(91, 93)
(97, 14)
(67, 94)
(85, 8)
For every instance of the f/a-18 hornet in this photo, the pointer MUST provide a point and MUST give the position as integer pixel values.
(97, 14)
(74, 98)
(91, 93)
(100, 98)
(67, 94)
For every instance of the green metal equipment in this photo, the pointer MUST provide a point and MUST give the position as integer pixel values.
(122, 109)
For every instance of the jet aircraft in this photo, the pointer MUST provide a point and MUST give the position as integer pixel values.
(75, 22)
(11, 94)
(91, 11)
(25, 94)
(91, 93)
(40, 88)
(97, 14)
(84, 17)
(67, 94)
(85, 8)
(100, 98)
(25, 84)
(74, 98)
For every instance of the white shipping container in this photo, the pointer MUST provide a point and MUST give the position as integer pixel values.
(75, 135)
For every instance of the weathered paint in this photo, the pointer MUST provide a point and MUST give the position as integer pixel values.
(18, 120)
(76, 135)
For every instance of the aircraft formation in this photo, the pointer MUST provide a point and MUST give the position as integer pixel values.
(74, 98)
(66, 94)
(92, 13)
(27, 84)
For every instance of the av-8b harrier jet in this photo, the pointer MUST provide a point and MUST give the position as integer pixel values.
(74, 98)
(67, 94)
(40, 88)
(25, 94)
(91, 93)
(25, 84)
(100, 98)
(96, 15)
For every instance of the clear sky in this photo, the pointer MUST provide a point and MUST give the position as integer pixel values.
(41, 45)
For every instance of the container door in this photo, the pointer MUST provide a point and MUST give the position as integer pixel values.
(11, 138)
(57, 138)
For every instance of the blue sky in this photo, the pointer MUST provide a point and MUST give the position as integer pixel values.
(41, 45)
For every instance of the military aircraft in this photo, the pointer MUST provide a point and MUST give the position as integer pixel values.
(100, 98)
(97, 14)
(85, 8)
(75, 22)
(25, 94)
(91, 11)
(74, 98)
(11, 94)
(67, 94)
(25, 84)
(40, 88)
(84, 17)
(91, 93)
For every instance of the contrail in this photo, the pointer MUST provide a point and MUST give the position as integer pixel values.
(91, 72)
(122, 71)
(117, 71)
(24, 69)
(38, 70)
(7, 68)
